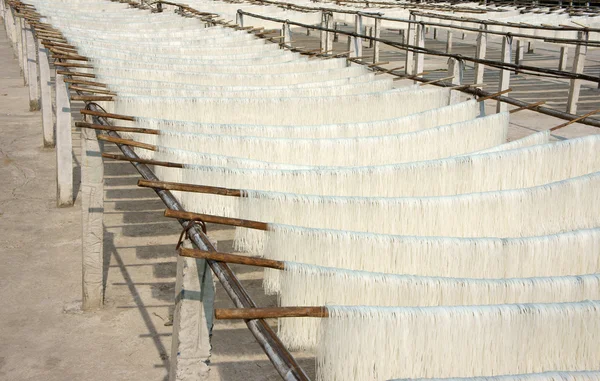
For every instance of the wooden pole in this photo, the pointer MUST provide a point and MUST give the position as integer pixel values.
(575, 120)
(270, 312)
(64, 144)
(232, 258)
(494, 95)
(504, 81)
(528, 107)
(117, 128)
(238, 222)
(143, 161)
(107, 115)
(578, 65)
(190, 188)
(127, 142)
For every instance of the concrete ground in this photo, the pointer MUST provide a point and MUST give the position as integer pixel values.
(43, 333)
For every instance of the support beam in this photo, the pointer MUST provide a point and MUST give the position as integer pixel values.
(481, 51)
(409, 65)
(449, 42)
(419, 57)
(578, 66)
(455, 70)
(192, 319)
(92, 217)
(64, 144)
(46, 97)
(32, 70)
(504, 81)
(376, 44)
(564, 55)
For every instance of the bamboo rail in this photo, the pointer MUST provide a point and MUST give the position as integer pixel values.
(140, 160)
(232, 258)
(270, 312)
(190, 188)
(238, 222)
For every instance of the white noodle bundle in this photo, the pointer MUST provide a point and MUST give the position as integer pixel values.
(562, 206)
(455, 113)
(544, 376)
(541, 137)
(379, 343)
(309, 285)
(455, 139)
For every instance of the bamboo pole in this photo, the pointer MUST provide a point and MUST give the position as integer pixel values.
(528, 107)
(71, 64)
(229, 221)
(436, 81)
(270, 312)
(143, 161)
(87, 83)
(107, 115)
(494, 95)
(92, 98)
(190, 188)
(75, 74)
(575, 120)
(232, 258)
(127, 142)
(117, 128)
(93, 91)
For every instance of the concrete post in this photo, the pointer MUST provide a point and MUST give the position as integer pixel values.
(192, 320)
(239, 19)
(564, 55)
(24, 64)
(286, 32)
(46, 97)
(19, 44)
(369, 32)
(323, 34)
(92, 213)
(578, 65)
(435, 33)
(376, 44)
(410, 40)
(455, 69)
(449, 42)
(330, 35)
(64, 144)
(32, 70)
(420, 42)
(357, 41)
(504, 81)
(520, 52)
(530, 47)
(481, 51)
(335, 35)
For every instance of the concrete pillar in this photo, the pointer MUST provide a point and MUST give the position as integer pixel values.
(376, 44)
(286, 32)
(19, 44)
(369, 32)
(481, 51)
(330, 35)
(564, 55)
(32, 70)
(449, 42)
(239, 19)
(192, 320)
(357, 41)
(410, 40)
(64, 144)
(530, 47)
(435, 33)
(335, 35)
(456, 70)
(24, 64)
(92, 217)
(520, 52)
(578, 65)
(420, 42)
(504, 81)
(323, 34)
(46, 96)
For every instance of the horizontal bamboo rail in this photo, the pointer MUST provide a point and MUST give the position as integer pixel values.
(270, 312)
(143, 161)
(126, 142)
(232, 258)
(229, 221)
(190, 188)
(148, 131)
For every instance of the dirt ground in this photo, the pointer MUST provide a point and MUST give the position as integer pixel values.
(43, 333)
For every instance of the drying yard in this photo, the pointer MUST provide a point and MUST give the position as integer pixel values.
(304, 190)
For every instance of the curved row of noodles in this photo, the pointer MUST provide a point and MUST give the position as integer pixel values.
(439, 249)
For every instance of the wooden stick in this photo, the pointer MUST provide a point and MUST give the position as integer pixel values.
(94, 91)
(528, 107)
(270, 312)
(117, 128)
(436, 81)
(389, 70)
(189, 188)
(575, 120)
(467, 86)
(69, 57)
(75, 74)
(127, 142)
(70, 64)
(142, 161)
(494, 95)
(232, 258)
(87, 83)
(107, 115)
(409, 76)
(238, 222)
(92, 98)
(379, 63)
